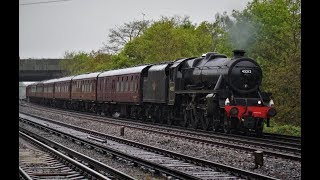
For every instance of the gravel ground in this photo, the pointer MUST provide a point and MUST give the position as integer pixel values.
(119, 164)
(275, 167)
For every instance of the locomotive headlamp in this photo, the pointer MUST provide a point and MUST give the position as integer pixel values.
(272, 112)
(259, 102)
(271, 104)
(227, 102)
(234, 111)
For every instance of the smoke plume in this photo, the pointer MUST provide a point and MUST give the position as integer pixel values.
(243, 34)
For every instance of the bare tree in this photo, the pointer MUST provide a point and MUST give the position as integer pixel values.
(119, 36)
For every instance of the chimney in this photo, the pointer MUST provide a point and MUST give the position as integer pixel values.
(237, 53)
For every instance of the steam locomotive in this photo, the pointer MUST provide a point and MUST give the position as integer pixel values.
(212, 93)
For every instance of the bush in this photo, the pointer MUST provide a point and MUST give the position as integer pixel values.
(284, 129)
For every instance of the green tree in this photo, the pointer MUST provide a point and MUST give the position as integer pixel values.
(270, 31)
(169, 39)
(81, 62)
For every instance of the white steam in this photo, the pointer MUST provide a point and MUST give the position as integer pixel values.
(242, 34)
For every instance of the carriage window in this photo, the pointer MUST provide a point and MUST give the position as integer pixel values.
(131, 86)
(117, 88)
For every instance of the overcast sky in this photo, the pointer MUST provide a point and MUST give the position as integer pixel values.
(47, 30)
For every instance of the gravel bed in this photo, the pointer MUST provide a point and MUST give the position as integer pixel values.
(119, 164)
(275, 167)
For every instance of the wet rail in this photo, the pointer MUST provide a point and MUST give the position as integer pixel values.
(270, 147)
(172, 163)
(40, 161)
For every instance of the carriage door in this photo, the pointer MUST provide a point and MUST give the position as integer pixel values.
(171, 86)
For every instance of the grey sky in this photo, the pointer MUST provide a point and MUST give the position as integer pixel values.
(48, 30)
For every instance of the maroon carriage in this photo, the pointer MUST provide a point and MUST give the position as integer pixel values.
(84, 94)
(84, 87)
(31, 91)
(39, 90)
(62, 89)
(48, 89)
(121, 90)
(122, 85)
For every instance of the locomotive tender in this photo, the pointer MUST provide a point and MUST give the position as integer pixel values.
(211, 92)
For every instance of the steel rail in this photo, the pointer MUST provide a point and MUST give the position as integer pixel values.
(186, 158)
(232, 145)
(58, 154)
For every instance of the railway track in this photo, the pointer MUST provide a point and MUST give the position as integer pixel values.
(268, 137)
(282, 149)
(39, 161)
(170, 163)
(294, 139)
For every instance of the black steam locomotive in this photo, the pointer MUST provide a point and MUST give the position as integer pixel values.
(220, 93)
(211, 92)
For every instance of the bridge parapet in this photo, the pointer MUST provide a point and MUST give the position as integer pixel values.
(39, 64)
(39, 69)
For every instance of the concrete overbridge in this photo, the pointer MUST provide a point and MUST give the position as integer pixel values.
(39, 69)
